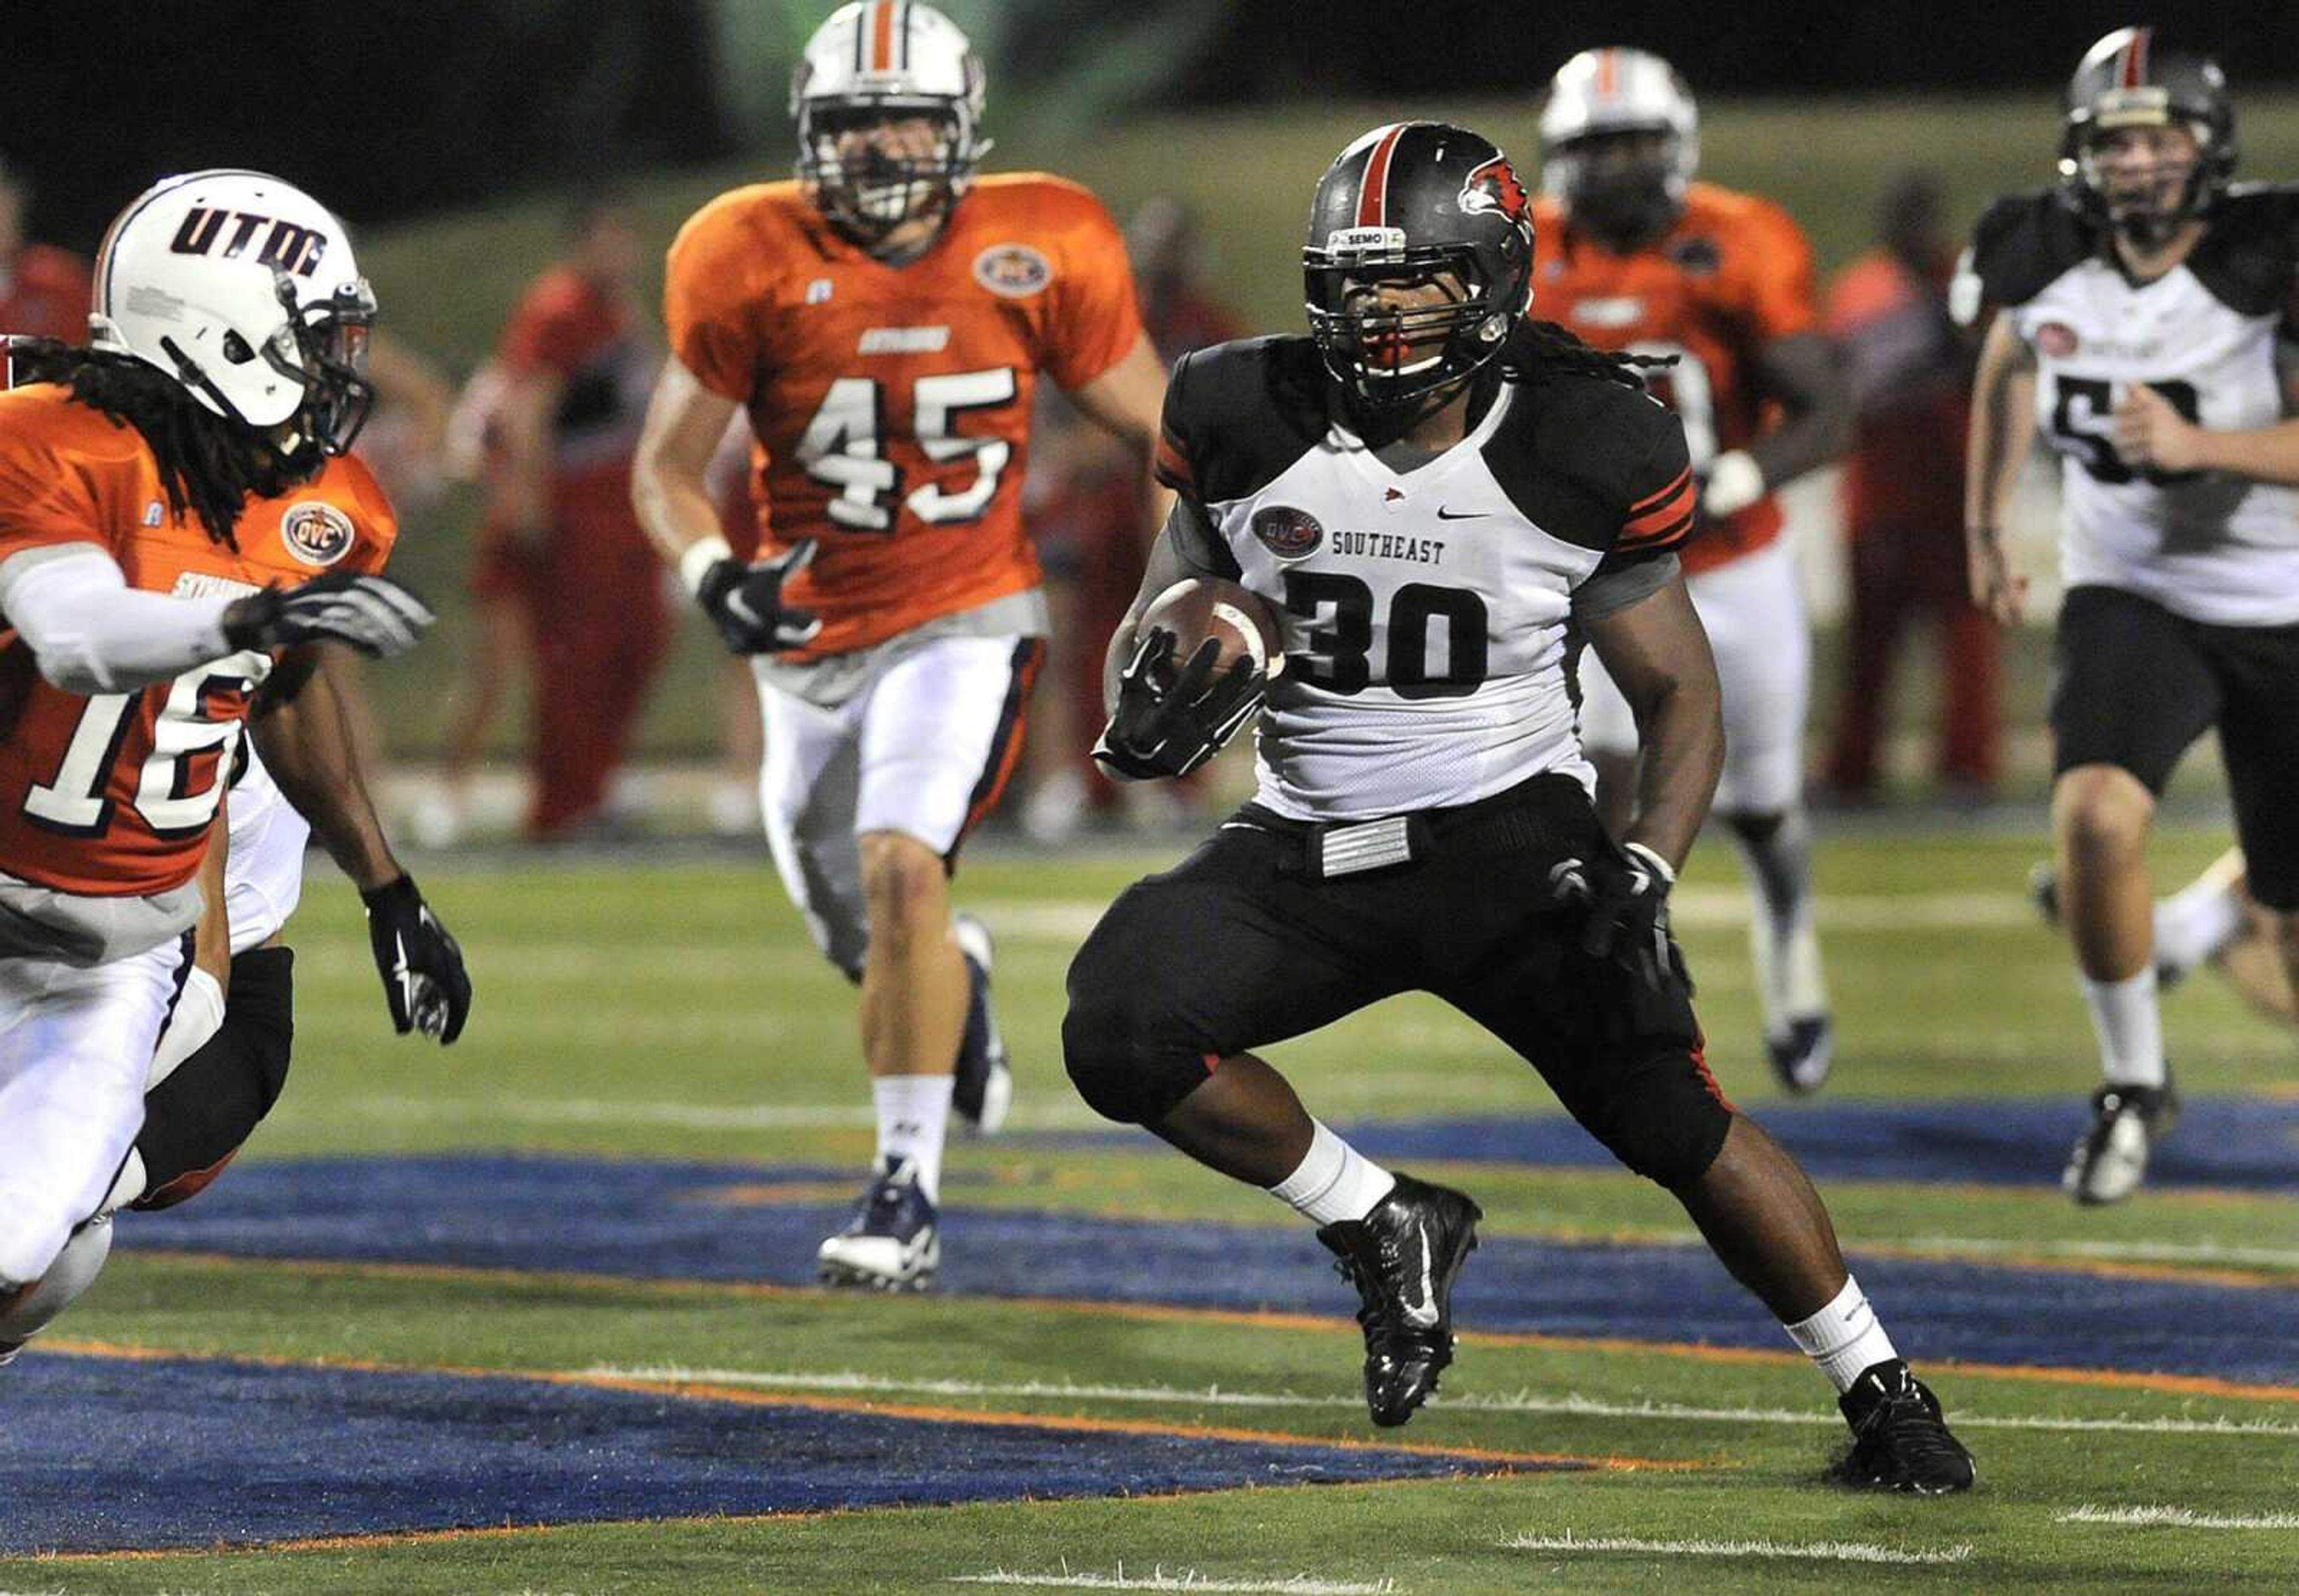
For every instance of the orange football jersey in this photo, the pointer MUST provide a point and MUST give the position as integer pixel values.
(891, 403)
(111, 794)
(1732, 275)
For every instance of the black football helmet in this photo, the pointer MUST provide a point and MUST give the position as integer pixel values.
(1407, 205)
(2128, 80)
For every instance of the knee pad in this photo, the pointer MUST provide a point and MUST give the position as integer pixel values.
(1663, 1118)
(198, 1118)
(1114, 1060)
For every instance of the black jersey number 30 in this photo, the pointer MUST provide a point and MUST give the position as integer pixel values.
(2083, 414)
(1339, 610)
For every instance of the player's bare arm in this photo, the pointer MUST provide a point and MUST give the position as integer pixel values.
(670, 490)
(304, 739)
(1801, 374)
(1658, 655)
(1126, 402)
(2002, 431)
(684, 421)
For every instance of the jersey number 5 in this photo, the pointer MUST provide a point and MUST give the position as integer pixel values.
(844, 444)
(170, 794)
(2083, 416)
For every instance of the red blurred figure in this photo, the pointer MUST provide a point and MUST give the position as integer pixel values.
(1087, 508)
(1903, 498)
(44, 291)
(564, 577)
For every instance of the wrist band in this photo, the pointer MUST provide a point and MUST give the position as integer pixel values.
(695, 563)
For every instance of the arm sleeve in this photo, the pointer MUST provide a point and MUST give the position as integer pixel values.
(1661, 497)
(710, 294)
(92, 633)
(1200, 549)
(1619, 582)
(1093, 321)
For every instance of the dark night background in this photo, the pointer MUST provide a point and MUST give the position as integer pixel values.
(404, 106)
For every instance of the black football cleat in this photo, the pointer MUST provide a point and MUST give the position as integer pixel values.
(1802, 1059)
(1899, 1441)
(2111, 1156)
(8, 1351)
(1402, 1257)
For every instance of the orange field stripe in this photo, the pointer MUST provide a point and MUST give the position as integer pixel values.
(760, 1397)
(1258, 1318)
(379, 1540)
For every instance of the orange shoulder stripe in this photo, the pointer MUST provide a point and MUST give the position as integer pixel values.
(1666, 522)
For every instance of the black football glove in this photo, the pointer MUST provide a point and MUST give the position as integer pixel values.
(1625, 892)
(746, 602)
(378, 617)
(420, 960)
(1169, 722)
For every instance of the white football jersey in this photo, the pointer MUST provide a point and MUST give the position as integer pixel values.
(2205, 545)
(1425, 612)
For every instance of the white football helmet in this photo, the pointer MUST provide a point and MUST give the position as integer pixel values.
(1619, 91)
(874, 59)
(243, 288)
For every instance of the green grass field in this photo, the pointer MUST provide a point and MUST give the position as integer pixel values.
(675, 1011)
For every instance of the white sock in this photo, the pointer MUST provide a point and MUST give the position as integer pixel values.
(1843, 1338)
(2130, 1027)
(913, 1115)
(1335, 1181)
(2196, 922)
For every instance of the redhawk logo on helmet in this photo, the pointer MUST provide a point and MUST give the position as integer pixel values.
(1493, 187)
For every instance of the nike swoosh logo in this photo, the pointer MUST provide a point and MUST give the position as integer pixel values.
(1444, 514)
(1423, 1315)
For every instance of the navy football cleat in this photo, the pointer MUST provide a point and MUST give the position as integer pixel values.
(983, 1090)
(891, 1244)
(1402, 1257)
(1899, 1441)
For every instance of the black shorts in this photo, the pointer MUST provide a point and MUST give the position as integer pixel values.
(2134, 686)
(1242, 945)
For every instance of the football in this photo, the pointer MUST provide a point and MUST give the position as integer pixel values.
(1240, 621)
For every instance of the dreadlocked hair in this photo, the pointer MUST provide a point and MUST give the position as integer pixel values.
(208, 466)
(1539, 349)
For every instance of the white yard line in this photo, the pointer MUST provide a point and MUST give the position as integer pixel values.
(856, 1382)
(1816, 1552)
(1189, 1579)
(2179, 1518)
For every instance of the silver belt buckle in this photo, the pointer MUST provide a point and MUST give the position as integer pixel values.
(1367, 846)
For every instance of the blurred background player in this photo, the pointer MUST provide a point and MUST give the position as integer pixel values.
(2139, 295)
(1088, 507)
(559, 409)
(1634, 255)
(146, 631)
(1908, 368)
(44, 290)
(885, 320)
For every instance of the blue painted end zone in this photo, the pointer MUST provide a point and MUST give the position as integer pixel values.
(661, 1221)
(102, 1454)
(2242, 1144)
